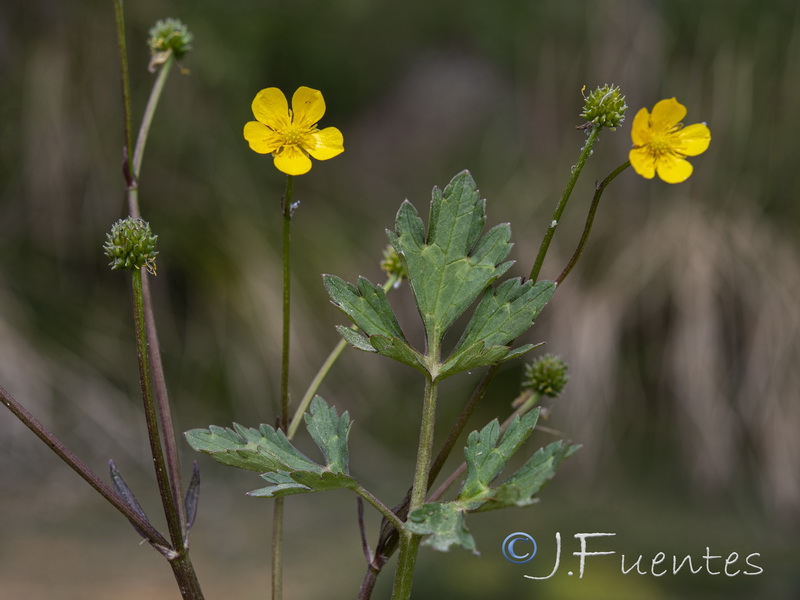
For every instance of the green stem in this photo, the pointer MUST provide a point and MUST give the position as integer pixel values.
(144, 131)
(150, 365)
(287, 294)
(409, 542)
(587, 228)
(277, 549)
(294, 424)
(283, 419)
(126, 92)
(156, 448)
(562, 204)
(162, 404)
(149, 112)
(185, 575)
(157, 369)
(463, 418)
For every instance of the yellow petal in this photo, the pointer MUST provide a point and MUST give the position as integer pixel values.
(667, 114)
(292, 161)
(261, 138)
(692, 140)
(673, 169)
(326, 143)
(270, 108)
(308, 107)
(640, 130)
(642, 162)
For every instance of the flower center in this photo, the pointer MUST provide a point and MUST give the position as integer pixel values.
(292, 136)
(661, 144)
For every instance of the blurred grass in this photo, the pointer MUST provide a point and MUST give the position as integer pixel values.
(681, 324)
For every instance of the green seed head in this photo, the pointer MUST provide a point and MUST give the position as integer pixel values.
(605, 107)
(168, 36)
(131, 245)
(547, 375)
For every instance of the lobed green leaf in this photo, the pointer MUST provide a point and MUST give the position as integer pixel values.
(330, 433)
(444, 524)
(505, 312)
(486, 457)
(366, 305)
(263, 449)
(528, 480)
(285, 468)
(301, 482)
(450, 268)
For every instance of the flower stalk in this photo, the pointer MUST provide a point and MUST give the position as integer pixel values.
(283, 417)
(587, 228)
(594, 131)
(154, 390)
(126, 91)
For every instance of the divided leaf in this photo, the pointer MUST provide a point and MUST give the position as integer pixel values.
(286, 469)
(505, 312)
(528, 480)
(263, 449)
(486, 457)
(443, 523)
(450, 267)
(300, 482)
(366, 306)
(330, 432)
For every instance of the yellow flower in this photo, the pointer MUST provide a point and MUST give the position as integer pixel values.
(661, 142)
(292, 135)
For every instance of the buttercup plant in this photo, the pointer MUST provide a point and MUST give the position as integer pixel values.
(452, 263)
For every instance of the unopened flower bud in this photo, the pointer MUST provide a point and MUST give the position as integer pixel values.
(131, 245)
(605, 106)
(547, 375)
(392, 264)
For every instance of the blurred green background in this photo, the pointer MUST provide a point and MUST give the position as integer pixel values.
(680, 324)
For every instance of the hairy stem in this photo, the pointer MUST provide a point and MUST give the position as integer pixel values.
(162, 404)
(409, 542)
(156, 448)
(283, 418)
(287, 295)
(185, 575)
(156, 365)
(126, 92)
(562, 203)
(277, 549)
